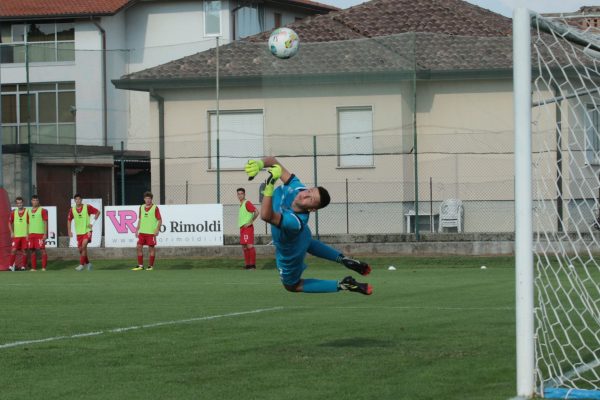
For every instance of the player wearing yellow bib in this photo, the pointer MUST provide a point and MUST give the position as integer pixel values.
(149, 223)
(19, 231)
(38, 232)
(246, 217)
(82, 215)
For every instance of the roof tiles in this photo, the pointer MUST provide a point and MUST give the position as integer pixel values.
(46, 8)
(374, 37)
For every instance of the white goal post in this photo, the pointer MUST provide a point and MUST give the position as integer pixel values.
(556, 77)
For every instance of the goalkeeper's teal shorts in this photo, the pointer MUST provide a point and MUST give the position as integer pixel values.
(291, 275)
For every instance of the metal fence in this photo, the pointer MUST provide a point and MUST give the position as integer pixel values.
(377, 199)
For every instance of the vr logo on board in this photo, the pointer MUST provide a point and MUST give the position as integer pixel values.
(123, 220)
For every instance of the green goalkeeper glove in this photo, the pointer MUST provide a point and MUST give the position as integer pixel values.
(274, 174)
(253, 167)
(269, 188)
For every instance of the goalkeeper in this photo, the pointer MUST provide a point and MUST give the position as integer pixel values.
(287, 209)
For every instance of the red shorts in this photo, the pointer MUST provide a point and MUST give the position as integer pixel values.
(146, 239)
(247, 235)
(36, 241)
(19, 243)
(81, 238)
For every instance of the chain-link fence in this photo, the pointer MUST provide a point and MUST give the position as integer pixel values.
(365, 201)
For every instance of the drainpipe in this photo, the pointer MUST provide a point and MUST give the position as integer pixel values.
(161, 143)
(104, 89)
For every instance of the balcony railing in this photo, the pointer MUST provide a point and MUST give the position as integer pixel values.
(15, 53)
(61, 133)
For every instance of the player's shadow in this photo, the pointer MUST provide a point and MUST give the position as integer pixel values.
(358, 342)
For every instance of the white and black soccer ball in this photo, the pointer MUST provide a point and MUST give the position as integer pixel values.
(283, 43)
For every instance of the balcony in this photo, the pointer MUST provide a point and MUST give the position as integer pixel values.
(15, 53)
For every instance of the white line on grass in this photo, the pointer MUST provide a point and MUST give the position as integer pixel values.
(434, 308)
(131, 328)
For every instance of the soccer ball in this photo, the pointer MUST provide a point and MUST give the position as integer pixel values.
(283, 43)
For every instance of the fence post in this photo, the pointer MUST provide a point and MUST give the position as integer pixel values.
(315, 169)
(415, 147)
(431, 217)
(347, 210)
(122, 173)
(218, 127)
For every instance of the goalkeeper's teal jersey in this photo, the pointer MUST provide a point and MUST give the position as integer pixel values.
(292, 237)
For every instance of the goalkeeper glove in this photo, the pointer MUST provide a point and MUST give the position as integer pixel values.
(269, 188)
(253, 167)
(274, 174)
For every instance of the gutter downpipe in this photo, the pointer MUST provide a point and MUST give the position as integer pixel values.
(161, 143)
(104, 89)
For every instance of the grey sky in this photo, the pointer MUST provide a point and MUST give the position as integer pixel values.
(503, 7)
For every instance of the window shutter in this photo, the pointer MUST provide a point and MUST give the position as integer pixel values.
(355, 137)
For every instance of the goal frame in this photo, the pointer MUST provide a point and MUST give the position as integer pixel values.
(523, 203)
(523, 22)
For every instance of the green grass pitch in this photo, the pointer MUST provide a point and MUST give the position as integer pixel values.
(437, 328)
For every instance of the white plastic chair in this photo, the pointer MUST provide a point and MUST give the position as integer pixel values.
(451, 215)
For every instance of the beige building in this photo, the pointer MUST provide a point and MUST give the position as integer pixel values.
(371, 107)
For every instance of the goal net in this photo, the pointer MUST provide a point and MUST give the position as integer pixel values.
(565, 145)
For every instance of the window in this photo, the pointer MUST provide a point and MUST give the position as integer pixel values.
(277, 20)
(212, 18)
(592, 135)
(48, 110)
(240, 138)
(249, 20)
(355, 137)
(18, 33)
(42, 42)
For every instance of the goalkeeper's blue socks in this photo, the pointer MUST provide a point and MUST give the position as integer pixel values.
(320, 249)
(319, 286)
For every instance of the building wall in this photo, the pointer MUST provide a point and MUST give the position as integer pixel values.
(289, 126)
(117, 61)
(465, 135)
(458, 124)
(465, 149)
(15, 169)
(88, 84)
(156, 33)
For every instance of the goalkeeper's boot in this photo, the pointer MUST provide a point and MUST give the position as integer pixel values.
(150, 268)
(12, 268)
(89, 266)
(138, 268)
(349, 283)
(79, 268)
(358, 266)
